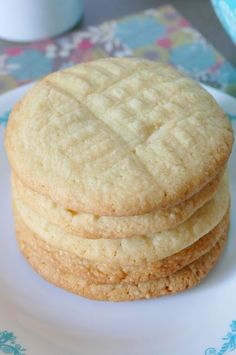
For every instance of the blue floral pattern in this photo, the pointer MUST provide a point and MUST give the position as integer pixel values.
(30, 64)
(148, 30)
(193, 58)
(157, 34)
(8, 344)
(229, 342)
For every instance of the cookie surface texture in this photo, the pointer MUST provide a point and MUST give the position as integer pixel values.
(117, 137)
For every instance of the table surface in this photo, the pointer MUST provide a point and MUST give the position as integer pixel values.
(199, 12)
(178, 43)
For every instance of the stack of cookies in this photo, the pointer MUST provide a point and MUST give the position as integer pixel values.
(119, 183)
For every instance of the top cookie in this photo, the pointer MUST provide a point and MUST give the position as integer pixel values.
(118, 137)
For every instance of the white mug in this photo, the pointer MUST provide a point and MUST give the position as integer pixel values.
(30, 20)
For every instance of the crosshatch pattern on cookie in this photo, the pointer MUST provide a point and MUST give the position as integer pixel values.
(116, 158)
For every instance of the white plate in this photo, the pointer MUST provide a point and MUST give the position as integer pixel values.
(49, 321)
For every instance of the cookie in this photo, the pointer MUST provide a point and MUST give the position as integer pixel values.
(135, 250)
(183, 279)
(96, 273)
(93, 226)
(118, 136)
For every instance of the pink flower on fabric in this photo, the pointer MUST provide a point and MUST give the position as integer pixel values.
(164, 42)
(13, 51)
(85, 44)
(184, 23)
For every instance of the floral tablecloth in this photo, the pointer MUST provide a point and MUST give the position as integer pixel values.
(158, 34)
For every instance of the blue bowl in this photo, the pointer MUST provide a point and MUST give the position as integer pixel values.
(226, 12)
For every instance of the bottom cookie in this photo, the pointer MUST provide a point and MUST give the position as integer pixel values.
(181, 280)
